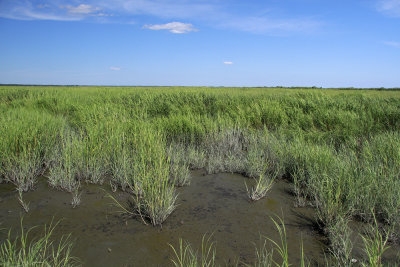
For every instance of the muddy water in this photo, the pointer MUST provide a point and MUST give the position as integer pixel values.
(211, 204)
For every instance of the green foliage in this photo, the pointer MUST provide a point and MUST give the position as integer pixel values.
(341, 149)
(27, 251)
(375, 244)
(186, 256)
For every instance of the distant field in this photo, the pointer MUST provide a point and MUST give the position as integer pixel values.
(340, 149)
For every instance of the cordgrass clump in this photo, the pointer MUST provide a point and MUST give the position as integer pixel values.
(25, 250)
(186, 255)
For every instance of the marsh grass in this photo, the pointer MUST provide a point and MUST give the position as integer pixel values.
(23, 170)
(121, 159)
(26, 250)
(147, 175)
(22, 202)
(263, 256)
(282, 246)
(375, 244)
(263, 154)
(76, 198)
(186, 256)
(27, 138)
(225, 151)
(64, 170)
(263, 185)
(179, 169)
(196, 157)
(157, 196)
(339, 234)
(93, 164)
(339, 148)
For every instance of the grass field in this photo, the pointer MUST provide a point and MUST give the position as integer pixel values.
(339, 148)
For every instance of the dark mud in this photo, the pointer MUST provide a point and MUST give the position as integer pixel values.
(211, 204)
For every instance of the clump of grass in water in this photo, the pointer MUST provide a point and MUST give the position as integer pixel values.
(263, 161)
(263, 152)
(375, 244)
(263, 256)
(282, 247)
(341, 246)
(185, 255)
(153, 192)
(76, 198)
(23, 203)
(43, 251)
(156, 200)
(264, 184)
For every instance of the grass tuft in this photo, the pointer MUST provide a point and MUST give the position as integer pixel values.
(25, 250)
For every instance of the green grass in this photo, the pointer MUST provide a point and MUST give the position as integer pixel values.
(186, 256)
(375, 244)
(28, 250)
(339, 148)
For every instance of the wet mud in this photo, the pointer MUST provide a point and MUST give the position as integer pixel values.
(212, 204)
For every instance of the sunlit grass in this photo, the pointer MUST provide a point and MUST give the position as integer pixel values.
(339, 148)
(27, 250)
(186, 256)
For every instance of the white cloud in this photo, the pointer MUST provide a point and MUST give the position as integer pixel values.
(26, 10)
(228, 62)
(389, 7)
(170, 9)
(115, 68)
(82, 9)
(214, 13)
(391, 43)
(27, 14)
(174, 27)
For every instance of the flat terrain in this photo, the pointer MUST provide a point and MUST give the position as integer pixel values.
(337, 152)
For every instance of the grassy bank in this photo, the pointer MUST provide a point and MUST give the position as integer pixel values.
(340, 148)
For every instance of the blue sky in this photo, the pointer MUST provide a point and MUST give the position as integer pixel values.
(201, 42)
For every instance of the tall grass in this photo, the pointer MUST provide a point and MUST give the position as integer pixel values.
(186, 256)
(179, 166)
(145, 170)
(25, 250)
(375, 244)
(27, 139)
(340, 149)
(64, 170)
(156, 196)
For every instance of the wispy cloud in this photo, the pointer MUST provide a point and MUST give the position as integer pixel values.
(173, 27)
(115, 68)
(228, 62)
(389, 7)
(211, 13)
(391, 43)
(26, 10)
(167, 9)
(82, 9)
